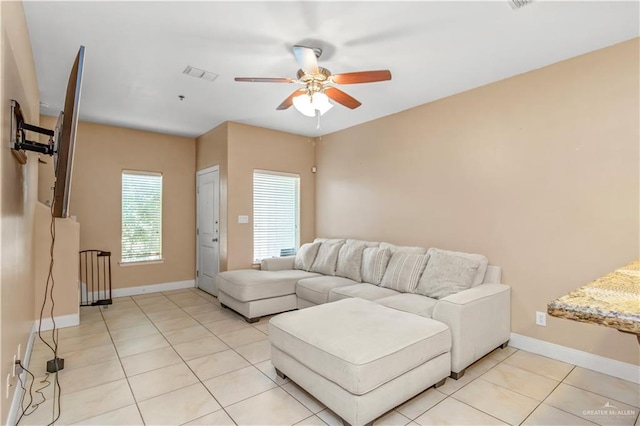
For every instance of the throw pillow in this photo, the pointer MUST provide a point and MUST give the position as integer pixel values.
(329, 240)
(447, 274)
(374, 263)
(350, 261)
(305, 256)
(403, 271)
(482, 261)
(366, 243)
(327, 258)
(407, 249)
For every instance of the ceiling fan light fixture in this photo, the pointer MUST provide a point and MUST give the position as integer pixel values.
(308, 105)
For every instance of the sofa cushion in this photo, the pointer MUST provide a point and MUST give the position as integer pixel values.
(361, 291)
(446, 274)
(403, 271)
(349, 263)
(374, 263)
(317, 289)
(482, 260)
(305, 256)
(356, 344)
(327, 258)
(412, 303)
(251, 284)
(394, 248)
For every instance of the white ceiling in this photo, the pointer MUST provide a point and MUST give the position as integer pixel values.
(136, 52)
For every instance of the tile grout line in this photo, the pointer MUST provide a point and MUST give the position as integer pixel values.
(111, 381)
(546, 397)
(595, 393)
(519, 393)
(503, 387)
(470, 406)
(171, 346)
(135, 401)
(183, 362)
(237, 353)
(190, 369)
(120, 358)
(250, 364)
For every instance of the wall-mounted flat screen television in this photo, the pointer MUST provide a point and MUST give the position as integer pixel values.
(65, 138)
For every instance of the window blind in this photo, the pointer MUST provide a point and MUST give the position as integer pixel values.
(276, 206)
(141, 216)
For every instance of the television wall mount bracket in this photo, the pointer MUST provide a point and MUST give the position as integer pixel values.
(18, 136)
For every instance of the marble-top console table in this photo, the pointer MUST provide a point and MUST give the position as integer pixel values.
(612, 300)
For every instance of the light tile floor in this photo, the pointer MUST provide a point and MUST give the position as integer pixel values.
(178, 358)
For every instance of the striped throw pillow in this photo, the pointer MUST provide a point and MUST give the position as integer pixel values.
(374, 263)
(404, 271)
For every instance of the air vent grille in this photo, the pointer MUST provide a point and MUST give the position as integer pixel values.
(518, 4)
(198, 73)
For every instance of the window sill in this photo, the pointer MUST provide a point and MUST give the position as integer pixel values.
(141, 263)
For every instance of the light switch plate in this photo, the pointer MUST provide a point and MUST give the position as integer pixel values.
(243, 219)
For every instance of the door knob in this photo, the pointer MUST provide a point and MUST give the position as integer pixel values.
(215, 240)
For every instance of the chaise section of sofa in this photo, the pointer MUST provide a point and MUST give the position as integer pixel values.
(256, 293)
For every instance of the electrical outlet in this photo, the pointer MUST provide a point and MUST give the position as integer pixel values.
(8, 386)
(541, 318)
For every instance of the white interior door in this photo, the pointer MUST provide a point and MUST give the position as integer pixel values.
(208, 238)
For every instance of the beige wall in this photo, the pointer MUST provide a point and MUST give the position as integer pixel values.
(257, 148)
(211, 150)
(539, 172)
(65, 266)
(18, 192)
(102, 153)
(240, 149)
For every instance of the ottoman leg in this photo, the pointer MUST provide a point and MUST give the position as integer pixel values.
(440, 383)
(457, 375)
(251, 320)
(281, 374)
(504, 345)
(349, 424)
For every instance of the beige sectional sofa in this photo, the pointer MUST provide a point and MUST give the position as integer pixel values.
(457, 289)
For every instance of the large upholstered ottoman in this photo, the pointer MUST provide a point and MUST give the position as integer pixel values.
(254, 293)
(359, 358)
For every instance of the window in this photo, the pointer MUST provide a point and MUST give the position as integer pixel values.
(276, 206)
(141, 216)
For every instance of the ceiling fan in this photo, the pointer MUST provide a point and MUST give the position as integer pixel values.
(318, 84)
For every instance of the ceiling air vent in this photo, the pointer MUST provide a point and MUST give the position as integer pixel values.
(518, 4)
(198, 73)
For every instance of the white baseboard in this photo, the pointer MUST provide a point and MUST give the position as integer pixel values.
(15, 410)
(611, 367)
(61, 322)
(152, 288)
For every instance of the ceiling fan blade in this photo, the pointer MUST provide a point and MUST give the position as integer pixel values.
(362, 77)
(306, 59)
(265, 80)
(289, 101)
(341, 97)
